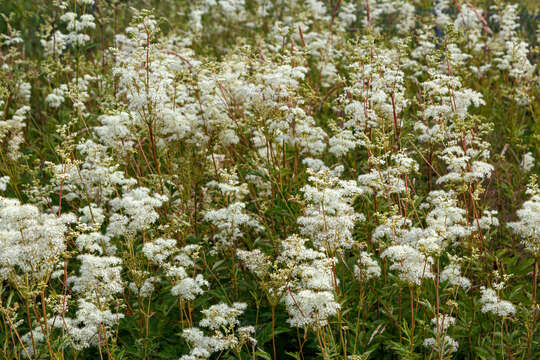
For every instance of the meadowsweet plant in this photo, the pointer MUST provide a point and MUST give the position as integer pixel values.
(269, 179)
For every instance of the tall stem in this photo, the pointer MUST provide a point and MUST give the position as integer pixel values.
(273, 328)
(323, 351)
(413, 319)
(533, 308)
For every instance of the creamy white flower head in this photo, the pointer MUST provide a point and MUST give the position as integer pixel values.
(229, 185)
(446, 344)
(4, 181)
(394, 228)
(256, 261)
(188, 288)
(452, 274)
(11, 131)
(491, 303)
(25, 91)
(293, 251)
(314, 164)
(310, 309)
(528, 161)
(115, 130)
(90, 322)
(309, 292)
(367, 268)
(146, 289)
(222, 315)
(342, 143)
(463, 167)
(57, 96)
(446, 220)
(91, 326)
(388, 176)
(139, 208)
(230, 222)
(528, 225)
(95, 242)
(92, 215)
(329, 218)
(159, 250)
(176, 263)
(442, 323)
(412, 266)
(222, 320)
(100, 276)
(32, 242)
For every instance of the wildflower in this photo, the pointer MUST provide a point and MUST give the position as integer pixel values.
(492, 304)
(32, 242)
(528, 161)
(4, 181)
(452, 274)
(528, 225)
(222, 320)
(367, 268)
(448, 345)
(329, 219)
(188, 288)
(229, 222)
(159, 250)
(138, 206)
(257, 262)
(411, 265)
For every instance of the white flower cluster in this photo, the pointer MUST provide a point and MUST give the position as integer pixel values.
(389, 174)
(447, 100)
(442, 343)
(156, 104)
(11, 130)
(309, 293)
(176, 263)
(468, 166)
(380, 10)
(4, 181)
(222, 321)
(32, 242)
(57, 96)
(256, 261)
(412, 249)
(138, 211)
(491, 303)
(375, 98)
(528, 226)
(99, 276)
(412, 265)
(330, 217)
(229, 222)
(77, 27)
(99, 284)
(452, 274)
(97, 179)
(528, 161)
(512, 54)
(446, 343)
(367, 267)
(90, 327)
